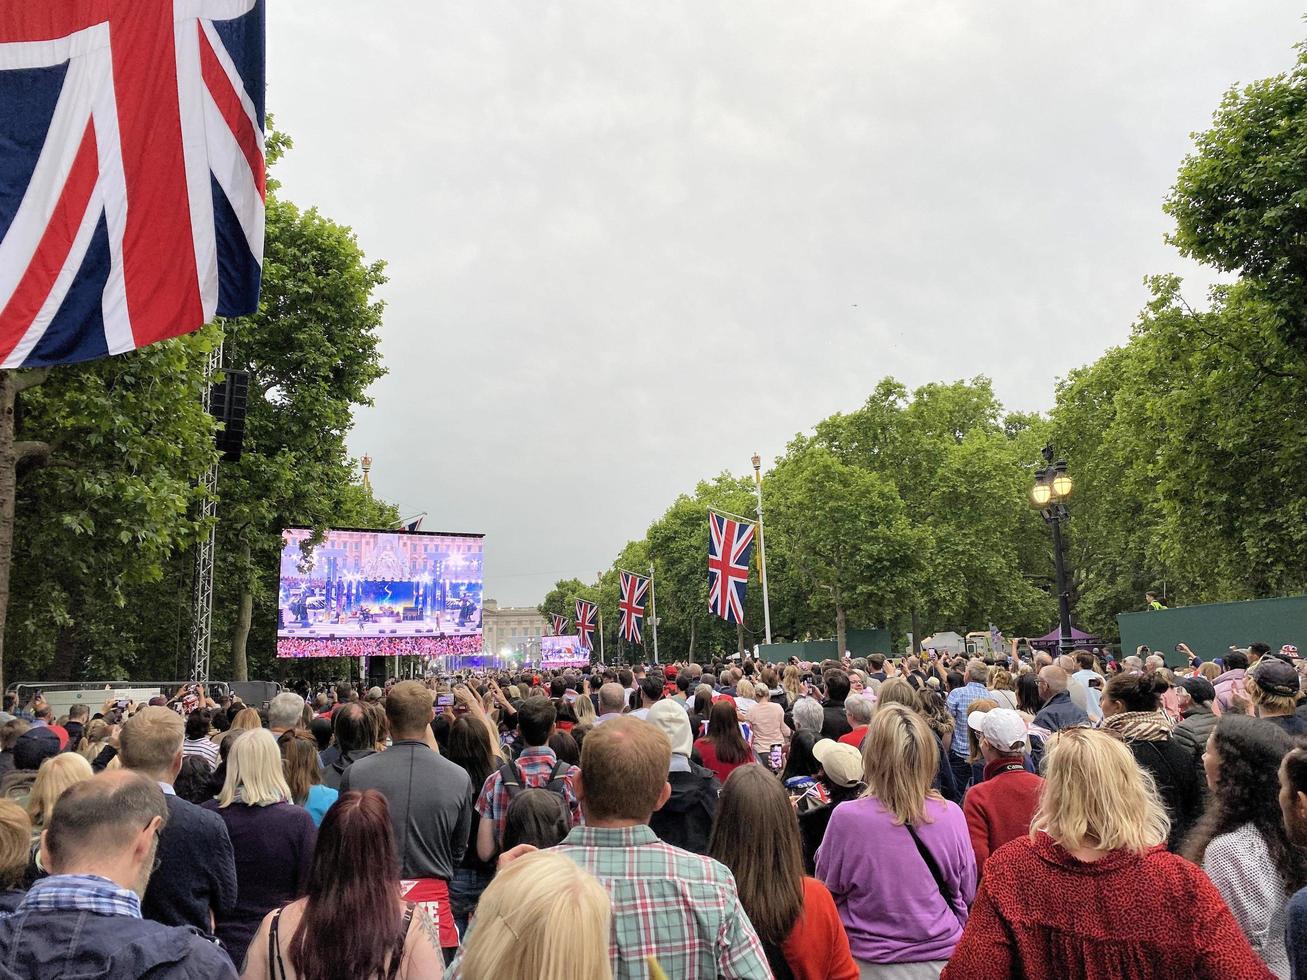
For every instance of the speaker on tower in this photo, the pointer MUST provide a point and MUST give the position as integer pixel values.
(227, 402)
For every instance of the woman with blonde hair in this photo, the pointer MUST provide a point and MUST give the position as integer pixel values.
(790, 684)
(95, 736)
(1002, 688)
(272, 839)
(1099, 833)
(585, 711)
(56, 774)
(899, 860)
(15, 850)
(542, 916)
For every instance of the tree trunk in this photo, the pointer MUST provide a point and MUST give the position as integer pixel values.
(689, 656)
(841, 628)
(739, 639)
(916, 632)
(65, 656)
(244, 615)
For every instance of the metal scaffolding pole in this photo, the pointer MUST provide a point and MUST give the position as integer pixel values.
(202, 612)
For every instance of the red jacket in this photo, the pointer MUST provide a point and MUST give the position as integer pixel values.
(817, 948)
(1043, 915)
(999, 808)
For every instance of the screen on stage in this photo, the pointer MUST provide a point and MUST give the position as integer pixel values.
(562, 651)
(379, 594)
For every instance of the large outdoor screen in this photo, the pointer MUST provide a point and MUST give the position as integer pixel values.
(379, 594)
(562, 651)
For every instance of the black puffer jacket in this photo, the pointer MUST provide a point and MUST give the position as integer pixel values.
(685, 820)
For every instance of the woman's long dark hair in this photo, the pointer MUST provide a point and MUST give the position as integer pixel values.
(756, 835)
(1028, 698)
(724, 733)
(801, 761)
(352, 918)
(468, 746)
(1248, 791)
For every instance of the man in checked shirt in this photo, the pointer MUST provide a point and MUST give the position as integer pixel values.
(679, 908)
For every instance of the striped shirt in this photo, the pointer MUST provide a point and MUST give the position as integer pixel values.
(680, 908)
(205, 748)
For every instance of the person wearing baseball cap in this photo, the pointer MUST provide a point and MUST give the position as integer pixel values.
(1196, 695)
(841, 771)
(1273, 688)
(998, 808)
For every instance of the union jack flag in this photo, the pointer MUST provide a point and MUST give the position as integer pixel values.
(560, 623)
(631, 606)
(585, 622)
(131, 172)
(730, 542)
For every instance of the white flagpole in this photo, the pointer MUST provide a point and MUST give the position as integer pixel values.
(600, 613)
(762, 549)
(653, 611)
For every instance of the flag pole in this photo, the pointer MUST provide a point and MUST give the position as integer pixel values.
(653, 611)
(762, 549)
(600, 611)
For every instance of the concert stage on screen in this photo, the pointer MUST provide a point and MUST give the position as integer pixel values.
(379, 594)
(562, 651)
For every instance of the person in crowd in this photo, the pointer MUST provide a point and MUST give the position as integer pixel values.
(56, 774)
(1084, 677)
(351, 923)
(767, 723)
(285, 713)
(1241, 841)
(1001, 688)
(1029, 702)
(470, 748)
(724, 749)
(685, 820)
(1272, 687)
(15, 848)
(999, 807)
(612, 702)
(543, 916)
(537, 817)
(9, 733)
(430, 801)
(756, 835)
(584, 710)
(858, 710)
(1095, 838)
(31, 749)
(899, 860)
(808, 715)
(1293, 810)
(700, 929)
(95, 736)
(957, 703)
(537, 767)
(1056, 708)
(565, 747)
(195, 884)
(1132, 711)
(802, 773)
(299, 760)
(84, 919)
(1231, 682)
(195, 781)
(974, 756)
(698, 708)
(198, 742)
(840, 775)
(834, 723)
(650, 693)
(1196, 696)
(354, 737)
(321, 729)
(272, 839)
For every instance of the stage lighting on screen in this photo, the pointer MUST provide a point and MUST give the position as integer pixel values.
(379, 594)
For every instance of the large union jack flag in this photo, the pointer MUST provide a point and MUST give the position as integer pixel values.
(559, 623)
(585, 622)
(730, 543)
(131, 172)
(631, 605)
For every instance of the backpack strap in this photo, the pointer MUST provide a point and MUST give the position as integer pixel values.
(275, 965)
(557, 776)
(512, 779)
(397, 954)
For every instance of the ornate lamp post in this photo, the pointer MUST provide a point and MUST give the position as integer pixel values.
(1053, 485)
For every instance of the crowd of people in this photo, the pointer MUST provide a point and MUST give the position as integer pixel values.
(378, 646)
(1071, 816)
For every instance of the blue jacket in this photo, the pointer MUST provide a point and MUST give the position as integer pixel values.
(1060, 712)
(69, 943)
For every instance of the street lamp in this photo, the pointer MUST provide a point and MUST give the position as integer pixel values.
(1053, 485)
(762, 549)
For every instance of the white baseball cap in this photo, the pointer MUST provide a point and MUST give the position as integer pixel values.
(1002, 728)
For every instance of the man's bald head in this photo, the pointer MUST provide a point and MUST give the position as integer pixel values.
(612, 698)
(1053, 678)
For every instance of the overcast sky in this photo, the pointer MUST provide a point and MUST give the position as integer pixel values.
(631, 242)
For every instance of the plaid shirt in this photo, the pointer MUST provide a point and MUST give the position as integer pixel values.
(82, 893)
(680, 908)
(957, 705)
(533, 766)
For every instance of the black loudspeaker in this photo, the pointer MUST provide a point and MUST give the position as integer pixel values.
(227, 404)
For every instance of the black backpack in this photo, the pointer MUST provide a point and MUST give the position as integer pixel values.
(512, 778)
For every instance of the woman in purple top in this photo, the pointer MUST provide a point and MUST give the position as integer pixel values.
(271, 838)
(899, 861)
